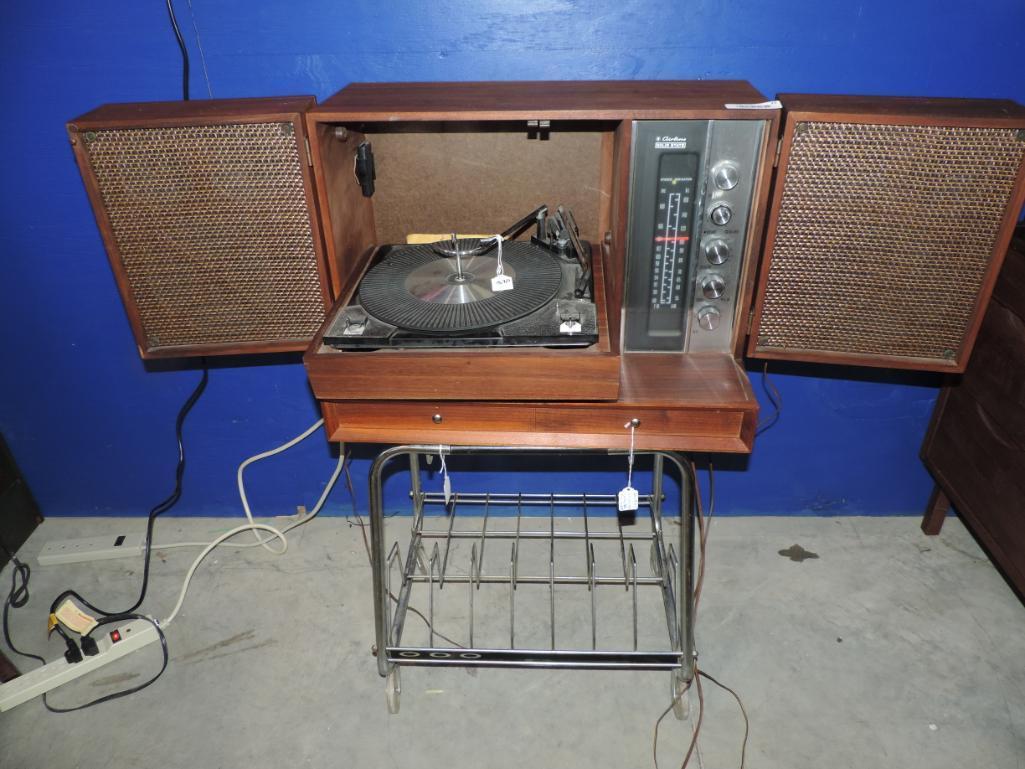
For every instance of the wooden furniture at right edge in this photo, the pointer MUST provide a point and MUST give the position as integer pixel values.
(975, 447)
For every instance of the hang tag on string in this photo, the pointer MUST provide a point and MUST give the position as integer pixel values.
(627, 499)
(501, 281)
(446, 482)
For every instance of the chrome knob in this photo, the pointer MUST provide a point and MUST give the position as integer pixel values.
(725, 176)
(717, 252)
(713, 286)
(722, 214)
(708, 318)
(437, 419)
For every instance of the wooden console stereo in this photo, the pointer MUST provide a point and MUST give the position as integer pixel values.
(679, 225)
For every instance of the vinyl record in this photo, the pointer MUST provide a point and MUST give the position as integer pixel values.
(416, 288)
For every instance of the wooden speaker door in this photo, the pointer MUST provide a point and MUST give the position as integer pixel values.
(207, 212)
(889, 221)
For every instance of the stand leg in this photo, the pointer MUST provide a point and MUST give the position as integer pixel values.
(685, 577)
(681, 678)
(382, 607)
(393, 689)
(935, 511)
(680, 692)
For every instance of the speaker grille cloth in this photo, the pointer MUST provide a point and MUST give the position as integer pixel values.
(884, 236)
(213, 230)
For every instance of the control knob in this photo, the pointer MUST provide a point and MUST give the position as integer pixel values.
(708, 318)
(717, 252)
(713, 286)
(725, 176)
(722, 214)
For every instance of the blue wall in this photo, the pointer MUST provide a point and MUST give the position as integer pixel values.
(93, 428)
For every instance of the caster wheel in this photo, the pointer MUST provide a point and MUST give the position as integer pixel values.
(393, 688)
(680, 691)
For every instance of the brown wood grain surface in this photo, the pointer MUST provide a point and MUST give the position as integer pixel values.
(145, 115)
(975, 445)
(546, 100)
(761, 195)
(683, 403)
(799, 108)
(347, 218)
(917, 109)
(935, 511)
(198, 112)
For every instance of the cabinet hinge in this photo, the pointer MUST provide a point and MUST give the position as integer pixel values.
(779, 148)
(309, 154)
(750, 320)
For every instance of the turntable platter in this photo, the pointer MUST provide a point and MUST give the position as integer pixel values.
(439, 281)
(417, 289)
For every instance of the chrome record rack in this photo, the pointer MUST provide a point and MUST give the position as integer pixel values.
(532, 580)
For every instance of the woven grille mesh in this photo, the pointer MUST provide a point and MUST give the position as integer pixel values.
(884, 236)
(213, 230)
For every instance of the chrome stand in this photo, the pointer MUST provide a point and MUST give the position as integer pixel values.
(427, 567)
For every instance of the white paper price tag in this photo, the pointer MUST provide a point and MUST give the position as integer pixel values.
(501, 283)
(627, 500)
(774, 104)
(446, 482)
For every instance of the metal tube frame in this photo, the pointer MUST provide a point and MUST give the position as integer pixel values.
(674, 570)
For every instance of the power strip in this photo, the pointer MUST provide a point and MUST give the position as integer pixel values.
(91, 549)
(133, 635)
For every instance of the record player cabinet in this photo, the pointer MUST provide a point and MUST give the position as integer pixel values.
(476, 156)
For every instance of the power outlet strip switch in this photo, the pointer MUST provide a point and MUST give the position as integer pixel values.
(134, 634)
(91, 549)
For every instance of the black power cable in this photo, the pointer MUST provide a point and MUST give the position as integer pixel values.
(19, 595)
(16, 598)
(184, 50)
(163, 507)
(774, 398)
(124, 692)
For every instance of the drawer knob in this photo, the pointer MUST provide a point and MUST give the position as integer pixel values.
(635, 422)
(436, 419)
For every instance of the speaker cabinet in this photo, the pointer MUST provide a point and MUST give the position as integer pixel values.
(208, 216)
(889, 221)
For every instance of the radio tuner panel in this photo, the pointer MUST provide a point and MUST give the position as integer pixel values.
(691, 187)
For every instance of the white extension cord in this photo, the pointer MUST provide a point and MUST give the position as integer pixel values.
(264, 542)
(136, 634)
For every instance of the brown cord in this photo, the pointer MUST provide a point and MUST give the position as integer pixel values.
(743, 712)
(703, 523)
(366, 546)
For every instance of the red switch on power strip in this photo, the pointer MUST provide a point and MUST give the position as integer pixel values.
(115, 636)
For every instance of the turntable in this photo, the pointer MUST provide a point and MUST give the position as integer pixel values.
(476, 292)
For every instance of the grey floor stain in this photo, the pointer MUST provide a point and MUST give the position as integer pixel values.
(247, 635)
(798, 553)
(118, 678)
(260, 645)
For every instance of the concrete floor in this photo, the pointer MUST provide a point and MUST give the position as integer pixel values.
(890, 649)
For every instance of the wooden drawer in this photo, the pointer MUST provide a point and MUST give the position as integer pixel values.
(426, 421)
(612, 421)
(595, 425)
